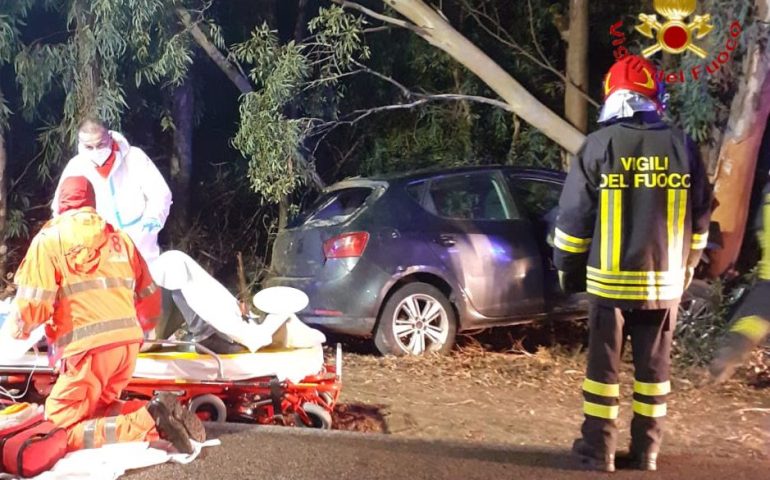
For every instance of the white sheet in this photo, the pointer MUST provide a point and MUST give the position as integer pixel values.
(112, 461)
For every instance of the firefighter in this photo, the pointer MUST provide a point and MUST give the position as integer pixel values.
(752, 320)
(92, 289)
(633, 221)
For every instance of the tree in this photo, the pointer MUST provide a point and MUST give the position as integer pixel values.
(575, 103)
(433, 27)
(85, 72)
(740, 145)
(12, 16)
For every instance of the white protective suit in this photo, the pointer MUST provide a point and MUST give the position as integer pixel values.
(133, 193)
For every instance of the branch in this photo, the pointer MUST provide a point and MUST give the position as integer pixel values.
(213, 52)
(510, 42)
(433, 27)
(371, 13)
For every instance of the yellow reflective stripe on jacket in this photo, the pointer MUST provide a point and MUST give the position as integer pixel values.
(699, 241)
(652, 389)
(96, 284)
(601, 389)
(95, 329)
(634, 292)
(677, 210)
(611, 210)
(601, 411)
(609, 277)
(568, 243)
(649, 410)
(34, 294)
(753, 327)
(147, 291)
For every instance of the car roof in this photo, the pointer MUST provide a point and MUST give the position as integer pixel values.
(418, 175)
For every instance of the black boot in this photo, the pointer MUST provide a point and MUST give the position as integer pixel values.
(592, 459)
(644, 461)
(175, 423)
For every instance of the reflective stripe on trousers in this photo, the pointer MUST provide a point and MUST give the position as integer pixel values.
(110, 431)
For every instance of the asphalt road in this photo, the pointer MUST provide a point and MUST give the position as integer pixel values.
(291, 453)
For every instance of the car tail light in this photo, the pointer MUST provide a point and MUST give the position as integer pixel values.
(346, 245)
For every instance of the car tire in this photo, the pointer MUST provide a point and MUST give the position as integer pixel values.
(402, 328)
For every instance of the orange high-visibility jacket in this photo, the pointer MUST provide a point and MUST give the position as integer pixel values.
(88, 283)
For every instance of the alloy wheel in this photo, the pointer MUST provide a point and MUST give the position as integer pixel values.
(420, 324)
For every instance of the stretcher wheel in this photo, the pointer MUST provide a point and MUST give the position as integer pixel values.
(209, 408)
(319, 417)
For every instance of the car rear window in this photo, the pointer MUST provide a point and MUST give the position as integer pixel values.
(337, 206)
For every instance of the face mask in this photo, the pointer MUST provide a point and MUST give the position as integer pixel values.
(97, 156)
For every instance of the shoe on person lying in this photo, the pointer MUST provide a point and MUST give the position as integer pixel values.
(175, 423)
(591, 458)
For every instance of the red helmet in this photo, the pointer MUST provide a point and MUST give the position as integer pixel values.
(632, 73)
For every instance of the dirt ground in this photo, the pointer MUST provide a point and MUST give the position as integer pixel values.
(529, 395)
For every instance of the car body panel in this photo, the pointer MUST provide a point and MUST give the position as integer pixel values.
(496, 273)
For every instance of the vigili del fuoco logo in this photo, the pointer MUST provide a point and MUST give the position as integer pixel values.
(675, 35)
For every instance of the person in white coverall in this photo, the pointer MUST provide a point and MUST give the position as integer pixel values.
(132, 195)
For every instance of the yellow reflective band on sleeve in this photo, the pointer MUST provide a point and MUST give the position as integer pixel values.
(571, 244)
(699, 241)
(755, 328)
(601, 389)
(601, 411)
(652, 389)
(649, 410)
(34, 294)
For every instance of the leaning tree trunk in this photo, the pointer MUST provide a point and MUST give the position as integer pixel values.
(575, 103)
(433, 27)
(182, 112)
(740, 146)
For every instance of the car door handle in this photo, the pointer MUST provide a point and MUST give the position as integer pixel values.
(446, 240)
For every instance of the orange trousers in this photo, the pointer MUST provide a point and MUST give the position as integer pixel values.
(85, 400)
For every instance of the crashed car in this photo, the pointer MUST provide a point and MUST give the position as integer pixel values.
(410, 260)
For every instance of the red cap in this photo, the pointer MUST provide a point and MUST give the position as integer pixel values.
(76, 192)
(632, 73)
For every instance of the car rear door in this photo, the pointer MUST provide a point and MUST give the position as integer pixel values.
(479, 234)
(538, 200)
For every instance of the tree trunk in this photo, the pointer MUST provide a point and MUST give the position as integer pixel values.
(738, 155)
(3, 207)
(182, 113)
(432, 27)
(213, 52)
(576, 104)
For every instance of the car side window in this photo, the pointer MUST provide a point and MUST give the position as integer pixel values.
(469, 197)
(540, 198)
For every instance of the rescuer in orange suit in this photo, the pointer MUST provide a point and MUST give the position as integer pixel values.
(88, 283)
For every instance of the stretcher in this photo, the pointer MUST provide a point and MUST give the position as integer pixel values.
(271, 386)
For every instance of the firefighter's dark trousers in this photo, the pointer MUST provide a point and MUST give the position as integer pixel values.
(651, 335)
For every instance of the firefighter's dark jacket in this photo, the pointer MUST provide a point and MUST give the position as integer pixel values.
(634, 214)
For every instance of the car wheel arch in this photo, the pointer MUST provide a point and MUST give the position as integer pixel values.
(430, 278)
